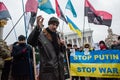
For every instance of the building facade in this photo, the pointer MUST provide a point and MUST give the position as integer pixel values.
(111, 37)
(74, 39)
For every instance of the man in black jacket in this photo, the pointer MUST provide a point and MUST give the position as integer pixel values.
(22, 67)
(51, 49)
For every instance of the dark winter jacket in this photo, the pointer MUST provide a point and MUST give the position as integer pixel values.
(51, 54)
(22, 60)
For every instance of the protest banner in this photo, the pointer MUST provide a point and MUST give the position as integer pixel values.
(99, 63)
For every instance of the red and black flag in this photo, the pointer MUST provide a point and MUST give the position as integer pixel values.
(105, 17)
(32, 18)
(59, 12)
(4, 13)
(97, 17)
(31, 6)
(89, 9)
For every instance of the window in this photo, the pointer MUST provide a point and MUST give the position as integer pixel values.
(74, 41)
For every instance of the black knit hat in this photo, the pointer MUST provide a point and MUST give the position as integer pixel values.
(53, 20)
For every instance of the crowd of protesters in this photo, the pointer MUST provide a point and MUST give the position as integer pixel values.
(87, 48)
(50, 47)
(53, 52)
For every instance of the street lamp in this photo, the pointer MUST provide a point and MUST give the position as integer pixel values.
(3, 22)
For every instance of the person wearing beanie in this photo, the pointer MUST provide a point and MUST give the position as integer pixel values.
(51, 49)
(53, 20)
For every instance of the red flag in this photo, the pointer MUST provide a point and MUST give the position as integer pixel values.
(59, 12)
(106, 17)
(88, 7)
(4, 13)
(97, 17)
(31, 6)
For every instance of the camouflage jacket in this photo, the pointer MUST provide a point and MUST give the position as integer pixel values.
(4, 52)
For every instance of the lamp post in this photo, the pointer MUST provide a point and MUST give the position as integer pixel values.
(3, 46)
(3, 22)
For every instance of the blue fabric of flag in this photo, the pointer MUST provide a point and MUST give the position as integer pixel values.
(73, 27)
(4, 13)
(45, 5)
(71, 8)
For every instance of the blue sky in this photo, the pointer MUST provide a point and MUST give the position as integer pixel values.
(15, 8)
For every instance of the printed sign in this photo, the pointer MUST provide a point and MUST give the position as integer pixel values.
(99, 63)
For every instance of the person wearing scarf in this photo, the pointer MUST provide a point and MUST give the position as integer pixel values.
(102, 45)
(51, 49)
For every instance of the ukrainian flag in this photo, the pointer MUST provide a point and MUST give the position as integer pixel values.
(45, 5)
(73, 27)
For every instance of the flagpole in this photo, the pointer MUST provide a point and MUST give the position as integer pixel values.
(13, 27)
(66, 54)
(83, 25)
(34, 61)
(30, 65)
(92, 35)
(63, 25)
(14, 31)
(24, 19)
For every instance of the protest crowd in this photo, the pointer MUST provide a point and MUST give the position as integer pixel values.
(45, 55)
(53, 63)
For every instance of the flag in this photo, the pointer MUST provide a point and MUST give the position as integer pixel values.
(73, 27)
(45, 5)
(31, 6)
(59, 12)
(106, 18)
(89, 9)
(71, 8)
(97, 17)
(4, 13)
(90, 12)
(32, 18)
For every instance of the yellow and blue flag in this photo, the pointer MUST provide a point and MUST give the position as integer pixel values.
(71, 8)
(73, 27)
(45, 5)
